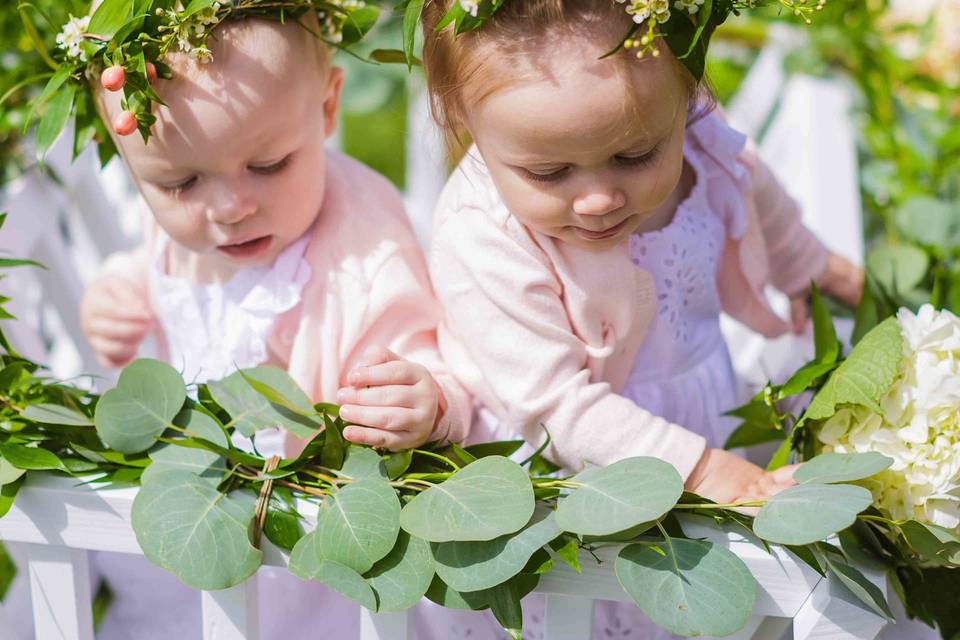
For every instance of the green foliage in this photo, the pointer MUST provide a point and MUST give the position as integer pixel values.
(611, 499)
(688, 587)
(489, 498)
(806, 513)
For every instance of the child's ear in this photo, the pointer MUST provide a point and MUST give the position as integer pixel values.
(331, 102)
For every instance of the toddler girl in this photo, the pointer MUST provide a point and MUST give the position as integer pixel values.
(267, 248)
(588, 243)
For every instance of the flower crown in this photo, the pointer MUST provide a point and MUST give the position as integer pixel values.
(123, 44)
(685, 25)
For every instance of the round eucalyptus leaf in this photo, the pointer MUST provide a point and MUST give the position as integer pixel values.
(133, 415)
(484, 500)
(202, 536)
(620, 496)
(808, 513)
(401, 578)
(363, 462)
(471, 566)
(201, 462)
(899, 268)
(252, 412)
(344, 581)
(356, 527)
(692, 588)
(828, 468)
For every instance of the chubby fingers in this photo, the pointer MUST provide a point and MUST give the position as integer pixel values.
(799, 314)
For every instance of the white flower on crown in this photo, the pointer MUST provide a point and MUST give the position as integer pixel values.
(920, 425)
(71, 37)
(690, 6)
(643, 10)
(201, 55)
(470, 6)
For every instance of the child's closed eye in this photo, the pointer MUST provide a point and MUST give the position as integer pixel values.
(271, 168)
(541, 175)
(177, 188)
(638, 160)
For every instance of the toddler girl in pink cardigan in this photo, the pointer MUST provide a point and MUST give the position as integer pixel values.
(265, 248)
(586, 246)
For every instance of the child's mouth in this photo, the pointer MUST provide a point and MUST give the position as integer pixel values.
(587, 234)
(249, 249)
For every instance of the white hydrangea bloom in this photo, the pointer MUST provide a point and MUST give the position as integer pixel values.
(920, 425)
(71, 37)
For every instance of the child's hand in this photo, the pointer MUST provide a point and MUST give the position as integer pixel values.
(396, 401)
(841, 280)
(727, 478)
(115, 318)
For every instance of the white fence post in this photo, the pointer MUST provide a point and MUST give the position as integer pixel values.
(231, 614)
(60, 592)
(567, 617)
(832, 611)
(385, 626)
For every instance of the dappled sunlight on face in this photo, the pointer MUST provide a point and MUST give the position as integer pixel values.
(582, 149)
(235, 169)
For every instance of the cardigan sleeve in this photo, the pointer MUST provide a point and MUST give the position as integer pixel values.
(507, 336)
(402, 315)
(796, 256)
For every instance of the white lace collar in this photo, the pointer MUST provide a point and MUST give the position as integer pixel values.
(211, 329)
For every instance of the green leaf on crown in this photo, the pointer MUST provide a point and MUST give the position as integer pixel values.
(110, 17)
(202, 536)
(356, 526)
(807, 513)
(402, 577)
(251, 411)
(485, 500)
(148, 395)
(615, 498)
(865, 376)
(828, 468)
(689, 587)
(472, 566)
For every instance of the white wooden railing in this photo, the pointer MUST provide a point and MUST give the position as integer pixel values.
(57, 522)
(805, 135)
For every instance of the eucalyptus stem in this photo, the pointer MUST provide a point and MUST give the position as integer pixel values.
(303, 489)
(328, 479)
(729, 505)
(431, 454)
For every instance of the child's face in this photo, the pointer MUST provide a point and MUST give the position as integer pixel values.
(567, 151)
(234, 169)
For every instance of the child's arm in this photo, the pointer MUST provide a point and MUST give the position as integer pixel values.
(397, 386)
(796, 256)
(508, 338)
(115, 312)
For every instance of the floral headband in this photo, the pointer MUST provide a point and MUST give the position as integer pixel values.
(685, 25)
(124, 42)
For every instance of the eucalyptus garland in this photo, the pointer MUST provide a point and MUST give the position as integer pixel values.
(466, 527)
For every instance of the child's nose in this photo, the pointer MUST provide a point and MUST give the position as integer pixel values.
(229, 207)
(598, 203)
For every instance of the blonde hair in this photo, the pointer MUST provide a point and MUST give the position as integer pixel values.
(518, 29)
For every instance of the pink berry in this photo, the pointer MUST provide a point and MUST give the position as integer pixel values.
(113, 78)
(125, 123)
(151, 72)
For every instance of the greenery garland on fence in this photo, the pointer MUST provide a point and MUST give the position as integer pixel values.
(467, 527)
